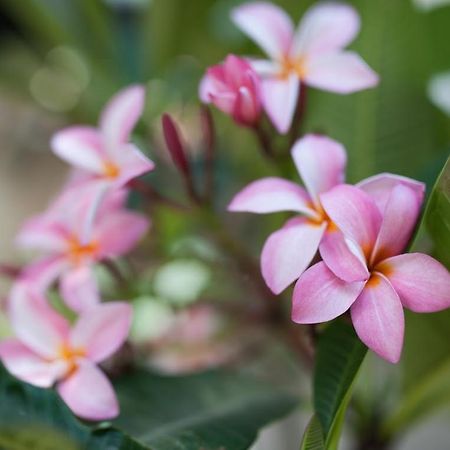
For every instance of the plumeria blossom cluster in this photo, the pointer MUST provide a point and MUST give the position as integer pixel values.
(360, 232)
(345, 247)
(88, 223)
(312, 55)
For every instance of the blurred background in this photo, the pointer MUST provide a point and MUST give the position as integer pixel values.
(61, 60)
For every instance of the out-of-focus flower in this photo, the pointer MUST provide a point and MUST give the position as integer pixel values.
(379, 280)
(105, 155)
(439, 91)
(312, 54)
(72, 240)
(428, 5)
(193, 342)
(48, 350)
(152, 319)
(181, 281)
(233, 87)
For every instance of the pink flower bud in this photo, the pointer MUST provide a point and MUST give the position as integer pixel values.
(233, 87)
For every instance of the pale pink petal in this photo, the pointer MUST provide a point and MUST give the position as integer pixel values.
(342, 257)
(132, 163)
(41, 234)
(355, 214)
(206, 87)
(120, 116)
(320, 162)
(320, 296)
(35, 323)
(378, 318)
(28, 366)
(325, 27)
(272, 194)
(43, 272)
(102, 329)
(79, 289)
(89, 393)
(119, 232)
(343, 73)
(81, 147)
(268, 25)
(379, 187)
(289, 251)
(264, 67)
(422, 283)
(399, 220)
(280, 98)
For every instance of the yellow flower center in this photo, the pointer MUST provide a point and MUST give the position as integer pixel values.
(70, 355)
(78, 252)
(292, 66)
(110, 170)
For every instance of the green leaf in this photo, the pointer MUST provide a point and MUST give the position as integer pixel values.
(435, 223)
(340, 354)
(313, 437)
(213, 410)
(34, 418)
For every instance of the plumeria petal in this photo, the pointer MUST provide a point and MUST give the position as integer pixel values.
(280, 97)
(264, 67)
(133, 163)
(117, 233)
(120, 116)
(80, 146)
(379, 187)
(43, 272)
(340, 72)
(37, 326)
(268, 25)
(378, 318)
(320, 296)
(89, 394)
(41, 234)
(320, 162)
(102, 329)
(399, 220)
(28, 366)
(342, 257)
(79, 289)
(355, 214)
(288, 252)
(272, 194)
(422, 283)
(325, 27)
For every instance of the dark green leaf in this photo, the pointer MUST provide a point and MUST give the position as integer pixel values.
(339, 357)
(34, 418)
(211, 411)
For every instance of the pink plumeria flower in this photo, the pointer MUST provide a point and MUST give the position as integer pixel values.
(233, 87)
(313, 54)
(104, 154)
(287, 252)
(47, 350)
(383, 280)
(72, 241)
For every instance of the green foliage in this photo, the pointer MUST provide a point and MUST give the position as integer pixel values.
(340, 354)
(435, 224)
(313, 437)
(210, 411)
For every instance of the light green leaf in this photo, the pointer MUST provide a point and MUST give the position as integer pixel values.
(313, 437)
(435, 223)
